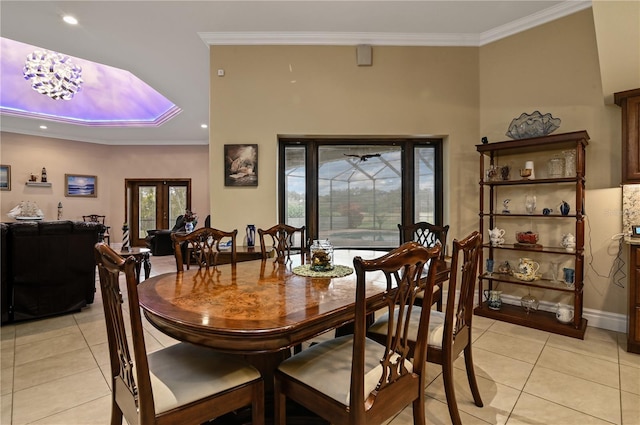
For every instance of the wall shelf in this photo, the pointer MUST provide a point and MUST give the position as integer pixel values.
(38, 184)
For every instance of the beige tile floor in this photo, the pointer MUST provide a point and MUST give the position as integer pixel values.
(53, 372)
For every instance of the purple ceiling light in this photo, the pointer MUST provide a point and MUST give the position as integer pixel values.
(111, 97)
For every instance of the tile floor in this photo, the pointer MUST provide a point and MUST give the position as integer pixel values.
(53, 372)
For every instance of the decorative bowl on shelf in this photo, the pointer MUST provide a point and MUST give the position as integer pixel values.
(527, 237)
(529, 303)
(532, 125)
(526, 277)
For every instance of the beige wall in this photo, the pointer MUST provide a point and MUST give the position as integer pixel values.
(459, 93)
(320, 90)
(617, 25)
(555, 68)
(112, 164)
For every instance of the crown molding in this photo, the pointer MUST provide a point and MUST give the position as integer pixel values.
(393, 39)
(547, 15)
(337, 38)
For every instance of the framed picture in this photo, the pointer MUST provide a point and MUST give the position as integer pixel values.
(5, 177)
(240, 165)
(78, 185)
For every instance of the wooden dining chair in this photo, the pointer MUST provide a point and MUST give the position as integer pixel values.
(353, 379)
(180, 384)
(428, 235)
(201, 246)
(449, 332)
(282, 241)
(96, 218)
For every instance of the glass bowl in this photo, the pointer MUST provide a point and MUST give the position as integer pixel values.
(532, 125)
(527, 237)
(529, 303)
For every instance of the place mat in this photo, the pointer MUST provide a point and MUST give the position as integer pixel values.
(338, 271)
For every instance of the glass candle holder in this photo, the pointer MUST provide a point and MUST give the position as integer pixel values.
(321, 256)
(555, 167)
(569, 163)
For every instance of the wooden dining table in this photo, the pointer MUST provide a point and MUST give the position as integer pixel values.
(258, 309)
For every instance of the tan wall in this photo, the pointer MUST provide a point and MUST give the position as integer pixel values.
(554, 68)
(319, 90)
(459, 93)
(617, 25)
(112, 164)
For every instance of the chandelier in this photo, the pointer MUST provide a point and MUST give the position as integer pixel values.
(53, 74)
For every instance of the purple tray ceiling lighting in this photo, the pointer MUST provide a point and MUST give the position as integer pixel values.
(108, 97)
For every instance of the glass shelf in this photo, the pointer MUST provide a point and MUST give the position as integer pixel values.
(531, 181)
(539, 283)
(545, 249)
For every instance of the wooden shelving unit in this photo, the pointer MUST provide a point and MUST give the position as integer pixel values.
(491, 215)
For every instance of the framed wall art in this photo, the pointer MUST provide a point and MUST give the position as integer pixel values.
(78, 185)
(240, 165)
(5, 177)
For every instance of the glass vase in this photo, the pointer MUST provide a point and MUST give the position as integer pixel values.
(569, 163)
(555, 167)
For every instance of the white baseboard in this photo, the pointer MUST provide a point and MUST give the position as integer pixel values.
(598, 319)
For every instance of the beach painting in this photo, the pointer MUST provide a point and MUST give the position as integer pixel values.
(80, 185)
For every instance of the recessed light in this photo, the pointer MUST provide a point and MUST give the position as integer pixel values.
(70, 20)
(43, 127)
(204, 126)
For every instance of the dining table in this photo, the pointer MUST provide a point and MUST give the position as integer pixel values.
(260, 309)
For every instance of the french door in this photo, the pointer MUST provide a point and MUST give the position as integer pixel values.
(154, 204)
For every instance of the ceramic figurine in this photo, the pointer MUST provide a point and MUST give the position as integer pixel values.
(569, 242)
(564, 208)
(505, 204)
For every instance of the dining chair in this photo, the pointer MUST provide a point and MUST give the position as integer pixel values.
(428, 235)
(449, 332)
(201, 246)
(353, 379)
(282, 240)
(180, 384)
(96, 218)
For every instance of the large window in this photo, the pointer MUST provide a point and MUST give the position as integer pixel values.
(356, 192)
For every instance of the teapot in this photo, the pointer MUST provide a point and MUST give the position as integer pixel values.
(496, 236)
(569, 242)
(564, 313)
(528, 267)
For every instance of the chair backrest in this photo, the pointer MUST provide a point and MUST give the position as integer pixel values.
(179, 224)
(400, 380)
(132, 386)
(426, 234)
(464, 268)
(202, 245)
(94, 218)
(282, 240)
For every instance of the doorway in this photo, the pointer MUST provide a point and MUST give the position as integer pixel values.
(154, 204)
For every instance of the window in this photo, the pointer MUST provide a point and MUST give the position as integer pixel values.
(355, 192)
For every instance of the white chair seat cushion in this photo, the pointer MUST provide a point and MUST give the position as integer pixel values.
(183, 373)
(436, 326)
(326, 367)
